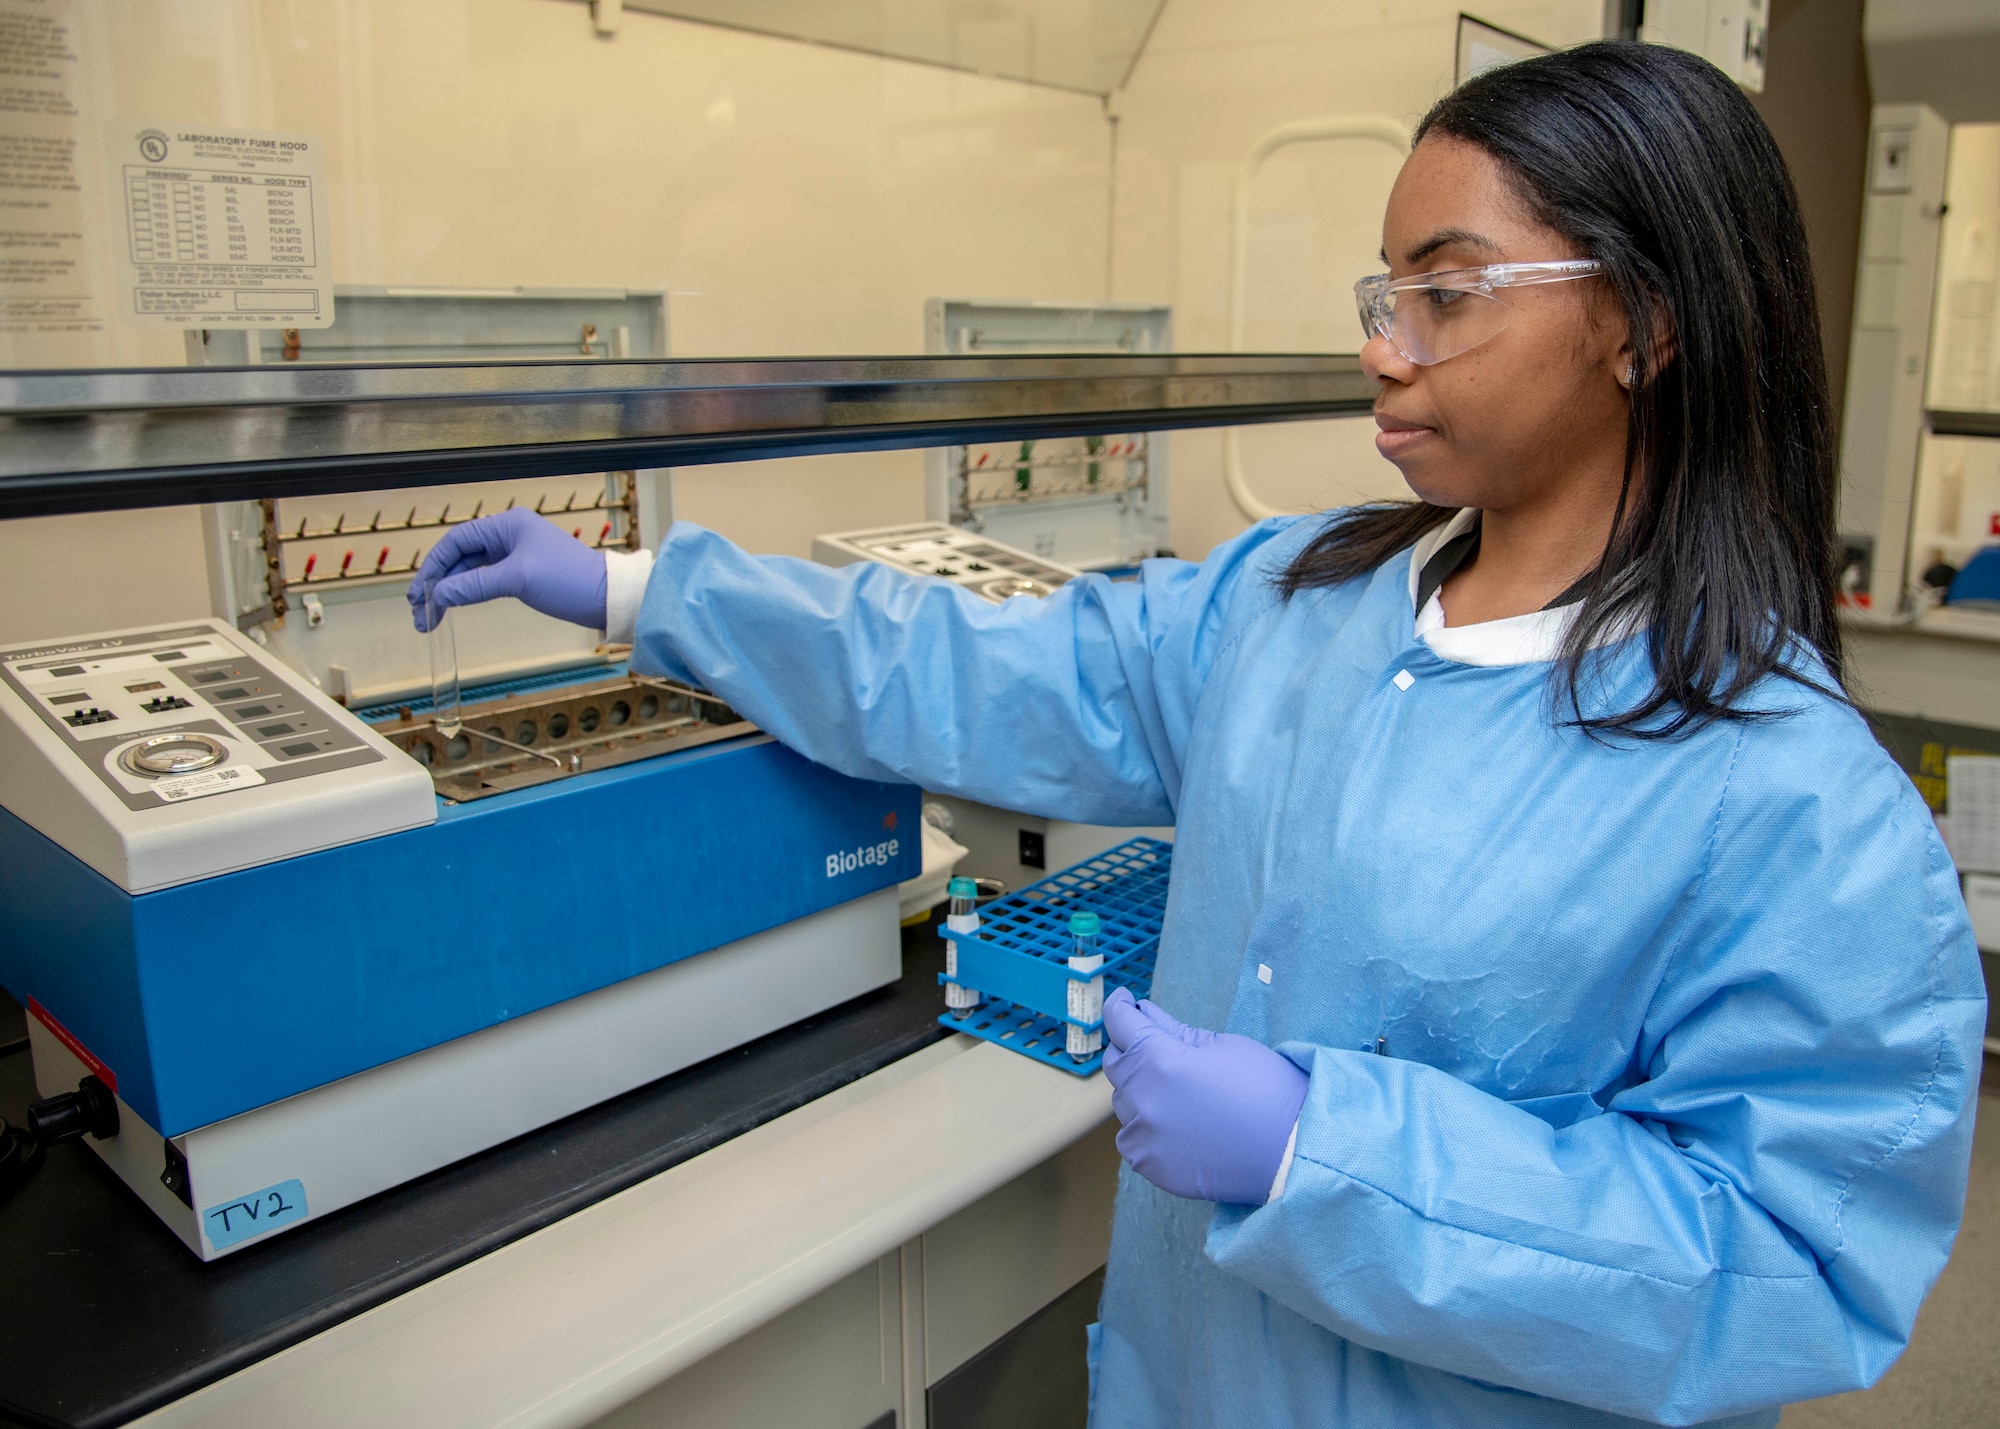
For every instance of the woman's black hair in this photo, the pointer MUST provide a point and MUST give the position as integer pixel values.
(1724, 553)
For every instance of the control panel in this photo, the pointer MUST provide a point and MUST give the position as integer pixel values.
(105, 735)
(964, 558)
(181, 717)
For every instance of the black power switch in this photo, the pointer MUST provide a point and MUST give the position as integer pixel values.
(1033, 854)
(175, 1176)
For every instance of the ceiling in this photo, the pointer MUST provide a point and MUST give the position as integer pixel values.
(1943, 53)
(1084, 45)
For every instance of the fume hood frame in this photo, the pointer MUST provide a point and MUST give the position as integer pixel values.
(106, 439)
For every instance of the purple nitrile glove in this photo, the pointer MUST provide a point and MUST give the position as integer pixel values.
(1204, 1115)
(515, 553)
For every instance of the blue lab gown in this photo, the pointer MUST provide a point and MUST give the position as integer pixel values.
(1683, 1037)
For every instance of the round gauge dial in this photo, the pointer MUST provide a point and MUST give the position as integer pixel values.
(1014, 585)
(168, 754)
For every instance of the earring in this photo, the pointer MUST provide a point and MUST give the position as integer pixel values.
(1631, 376)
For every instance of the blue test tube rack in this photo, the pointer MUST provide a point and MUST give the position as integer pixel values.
(1019, 958)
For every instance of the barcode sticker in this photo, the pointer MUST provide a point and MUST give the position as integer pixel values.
(208, 781)
(1972, 784)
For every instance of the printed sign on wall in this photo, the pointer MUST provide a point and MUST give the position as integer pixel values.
(221, 227)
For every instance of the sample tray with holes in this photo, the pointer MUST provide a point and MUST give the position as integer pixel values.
(1019, 958)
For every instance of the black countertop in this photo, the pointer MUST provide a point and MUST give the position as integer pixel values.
(105, 1315)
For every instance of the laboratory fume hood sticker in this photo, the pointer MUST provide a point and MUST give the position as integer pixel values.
(45, 267)
(222, 228)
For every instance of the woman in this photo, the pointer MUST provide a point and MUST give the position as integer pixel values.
(1544, 786)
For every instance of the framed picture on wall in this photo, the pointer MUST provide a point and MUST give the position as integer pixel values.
(1482, 47)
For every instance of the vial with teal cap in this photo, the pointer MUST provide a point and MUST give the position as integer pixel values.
(1086, 997)
(961, 917)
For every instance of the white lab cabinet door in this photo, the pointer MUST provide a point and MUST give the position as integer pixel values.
(870, 1350)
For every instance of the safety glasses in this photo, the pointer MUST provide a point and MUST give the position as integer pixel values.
(1433, 316)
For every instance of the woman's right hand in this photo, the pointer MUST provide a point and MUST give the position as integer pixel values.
(514, 553)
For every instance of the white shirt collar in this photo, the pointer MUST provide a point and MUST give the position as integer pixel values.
(1534, 638)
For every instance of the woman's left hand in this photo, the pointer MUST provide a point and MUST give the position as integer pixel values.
(1202, 1114)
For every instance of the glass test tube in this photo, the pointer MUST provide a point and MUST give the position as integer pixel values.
(961, 917)
(1086, 999)
(444, 670)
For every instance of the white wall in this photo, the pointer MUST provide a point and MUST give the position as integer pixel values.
(792, 199)
(1216, 75)
(69, 575)
(1963, 374)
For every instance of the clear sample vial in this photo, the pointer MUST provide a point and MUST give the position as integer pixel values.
(444, 670)
(1086, 997)
(961, 917)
